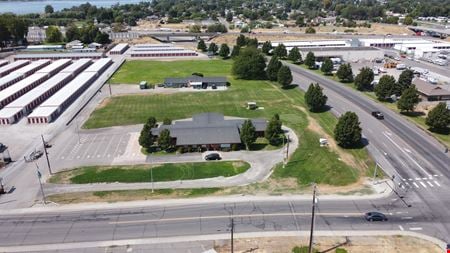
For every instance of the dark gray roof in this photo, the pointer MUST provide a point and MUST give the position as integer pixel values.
(208, 128)
(218, 79)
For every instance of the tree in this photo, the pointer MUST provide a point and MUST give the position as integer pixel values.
(348, 132)
(364, 79)
(310, 30)
(229, 17)
(280, 51)
(164, 140)
(385, 87)
(408, 100)
(53, 34)
(327, 66)
(48, 9)
(273, 130)
(217, 28)
(72, 33)
(252, 42)
(248, 133)
(235, 51)
(201, 45)
(272, 68)
(102, 38)
(300, 21)
(213, 48)
(294, 55)
(241, 40)
(284, 76)
(167, 121)
(438, 119)
(195, 29)
(224, 51)
(249, 64)
(404, 81)
(314, 98)
(266, 47)
(345, 73)
(310, 60)
(408, 20)
(146, 139)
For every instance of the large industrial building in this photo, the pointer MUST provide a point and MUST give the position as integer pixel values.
(73, 56)
(119, 48)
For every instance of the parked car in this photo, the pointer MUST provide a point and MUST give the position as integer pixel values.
(375, 216)
(378, 115)
(213, 156)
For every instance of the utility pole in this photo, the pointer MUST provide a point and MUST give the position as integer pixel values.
(312, 219)
(46, 155)
(232, 235)
(40, 183)
(151, 178)
(110, 91)
(287, 148)
(375, 172)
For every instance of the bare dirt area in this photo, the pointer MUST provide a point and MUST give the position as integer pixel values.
(356, 244)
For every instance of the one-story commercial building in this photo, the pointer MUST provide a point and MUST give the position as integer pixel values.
(431, 92)
(211, 131)
(196, 82)
(348, 54)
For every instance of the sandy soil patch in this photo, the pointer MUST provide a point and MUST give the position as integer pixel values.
(357, 244)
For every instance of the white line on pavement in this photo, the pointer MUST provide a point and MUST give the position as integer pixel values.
(415, 229)
(428, 182)
(401, 228)
(407, 218)
(436, 182)
(424, 185)
(417, 186)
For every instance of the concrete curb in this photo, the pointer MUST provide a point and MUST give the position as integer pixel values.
(226, 236)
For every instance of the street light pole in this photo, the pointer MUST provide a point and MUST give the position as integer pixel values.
(151, 178)
(312, 219)
(232, 235)
(40, 183)
(46, 155)
(375, 172)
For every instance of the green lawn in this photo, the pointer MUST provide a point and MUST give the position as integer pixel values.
(309, 163)
(142, 173)
(417, 119)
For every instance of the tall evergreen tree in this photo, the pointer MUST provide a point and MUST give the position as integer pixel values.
(266, 47)
(348, 132)
(235, 51)
(273, 130)
(248, 133)
(272, 68)
(213, 48)
(249, 64)
(224, 51)
(310, 60)
(146, 139)
(229, 17)
(280, 51)
(327, 66)
(404, 81)
(385, 87)
(364, 79)
(345, 73)
(409, 99)
(241, 40)
(164, 140)
(284, 76)
(314, 98)
(295, 56)
(201, 45)
(438, 118)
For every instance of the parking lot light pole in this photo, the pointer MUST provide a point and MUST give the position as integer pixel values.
(39, 175)
(46, 155)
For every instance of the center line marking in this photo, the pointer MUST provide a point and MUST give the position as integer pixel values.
(415, 229)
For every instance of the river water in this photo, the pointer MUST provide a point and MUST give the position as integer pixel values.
(33, 6)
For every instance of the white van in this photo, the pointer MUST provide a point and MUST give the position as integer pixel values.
(401, 66)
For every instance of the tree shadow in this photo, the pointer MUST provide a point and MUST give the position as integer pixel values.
(362, 144)
(290, 87)
(445, 131)
(257, 146)
(413, 114)
(325, 108)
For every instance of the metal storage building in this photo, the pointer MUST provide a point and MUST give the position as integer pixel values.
(8, 80)
(162, 49)
(13, 92)
(33, 67)
(76, 67)
(33, 98)
(119, 48)
(3, 62)
(152, 45)
(56, 104)
(73, 56)
(99, 66)
(12, 66)
(55, 67)
(162, 53)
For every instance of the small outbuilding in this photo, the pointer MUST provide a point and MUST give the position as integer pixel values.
(143, 85)
(252, 106)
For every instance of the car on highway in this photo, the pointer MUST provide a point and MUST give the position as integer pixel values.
(213, 156)
(378, 114)
(375, 216)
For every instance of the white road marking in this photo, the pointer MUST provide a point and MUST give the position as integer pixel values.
(424, 178)
(418, 179)
(78, 157)
(415, 185)
(428, 182)
(436, 182)
(415, 229)
(400, 227)
(407, 218)
(388, 133)
(413, 160)
(407, 150)
(410, 179)
(436, 175)
(424, 185)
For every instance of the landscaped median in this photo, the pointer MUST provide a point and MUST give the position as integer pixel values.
(145, 173)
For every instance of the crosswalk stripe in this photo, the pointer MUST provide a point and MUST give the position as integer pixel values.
(430, 184)
(437, 183)
(424, 185)
(415, 185)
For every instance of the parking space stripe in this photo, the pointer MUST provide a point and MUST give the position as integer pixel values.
(436, 182)
(424, 185)
(428, 182)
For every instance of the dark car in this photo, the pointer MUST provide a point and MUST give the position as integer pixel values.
(375, 216)
(212, 156)
(378, 115)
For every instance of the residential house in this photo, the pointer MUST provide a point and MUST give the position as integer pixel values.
(431, 92)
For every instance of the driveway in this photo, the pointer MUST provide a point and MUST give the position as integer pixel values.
(119, 145)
